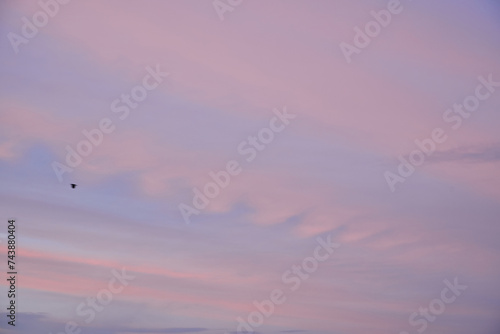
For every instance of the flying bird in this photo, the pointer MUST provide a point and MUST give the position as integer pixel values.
(73, 185)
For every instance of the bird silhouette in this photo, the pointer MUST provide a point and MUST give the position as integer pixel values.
(73, 185)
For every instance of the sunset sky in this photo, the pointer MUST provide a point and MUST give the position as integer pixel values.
(309, 143)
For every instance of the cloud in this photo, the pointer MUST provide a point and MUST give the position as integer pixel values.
(469, 154)
(29, 323)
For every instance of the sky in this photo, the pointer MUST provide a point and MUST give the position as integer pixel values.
(310, 167)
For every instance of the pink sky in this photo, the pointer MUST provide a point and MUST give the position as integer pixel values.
(322, 175)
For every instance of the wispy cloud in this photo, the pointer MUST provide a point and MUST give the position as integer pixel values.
(469, 154)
